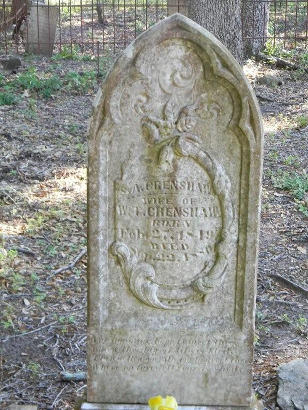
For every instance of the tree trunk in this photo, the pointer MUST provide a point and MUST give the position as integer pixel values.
(223, 19)
(100, 15)
(241, 25)
(15, 15)
(255, 16)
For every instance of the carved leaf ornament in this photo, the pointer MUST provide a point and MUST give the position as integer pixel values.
(166, 94)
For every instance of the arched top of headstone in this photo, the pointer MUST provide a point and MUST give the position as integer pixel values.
(149, 52)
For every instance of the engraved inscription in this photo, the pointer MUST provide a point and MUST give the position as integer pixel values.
(188, 354)
(170, 221)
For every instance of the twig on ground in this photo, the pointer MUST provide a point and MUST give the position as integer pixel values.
(73, 377)
(31, 331)
(283, 302)
(80, 388)
(70, 265)
(57, 397)
(289, 284)
(9, 196)
(279, 62)
(262, 97)
(265, 98)
(58, 362)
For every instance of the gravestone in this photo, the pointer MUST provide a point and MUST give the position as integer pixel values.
(40, 28)
(175, 154)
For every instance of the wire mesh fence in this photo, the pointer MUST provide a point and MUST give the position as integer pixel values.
(93, 27)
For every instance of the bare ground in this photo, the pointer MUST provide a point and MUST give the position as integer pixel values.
(43, 225)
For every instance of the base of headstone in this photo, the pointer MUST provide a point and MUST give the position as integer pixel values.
(256, 405)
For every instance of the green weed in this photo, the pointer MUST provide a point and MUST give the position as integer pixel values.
(8, 98)
(73, 128)
(291, 160)
(81, 148)
(67, 53)
(302, 207)
(34, 277)
(105, 63)
(272, 49)
(51, 250)
(302, 121)
(17, 281)
(301, 323)
(34, 368)
(296, 184)
(275, 49)
(45, 85)
(286, 318)
(73, 52)
(80, 83)
(39, 295)
(304, 59)
(9, 278)
(259, 315)
(7, 316)
(34, 225)
(8, 323)
(273, 155)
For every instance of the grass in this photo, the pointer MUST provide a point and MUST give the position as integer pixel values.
(73, 52)
(9, 278)
(273, 155)
(79, 83)
(302, 121)
(44, 85)
(291, 160)
(8, 98)
(296, 184)
(275, 49)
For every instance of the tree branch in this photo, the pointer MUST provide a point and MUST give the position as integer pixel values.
(73, 377)
(279, 62)
(289, 284)
(70, 265)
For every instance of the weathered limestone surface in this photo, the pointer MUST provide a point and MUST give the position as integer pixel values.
(175, 153)
(293, 385)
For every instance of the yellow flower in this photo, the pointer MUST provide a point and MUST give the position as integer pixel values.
(160, 403)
